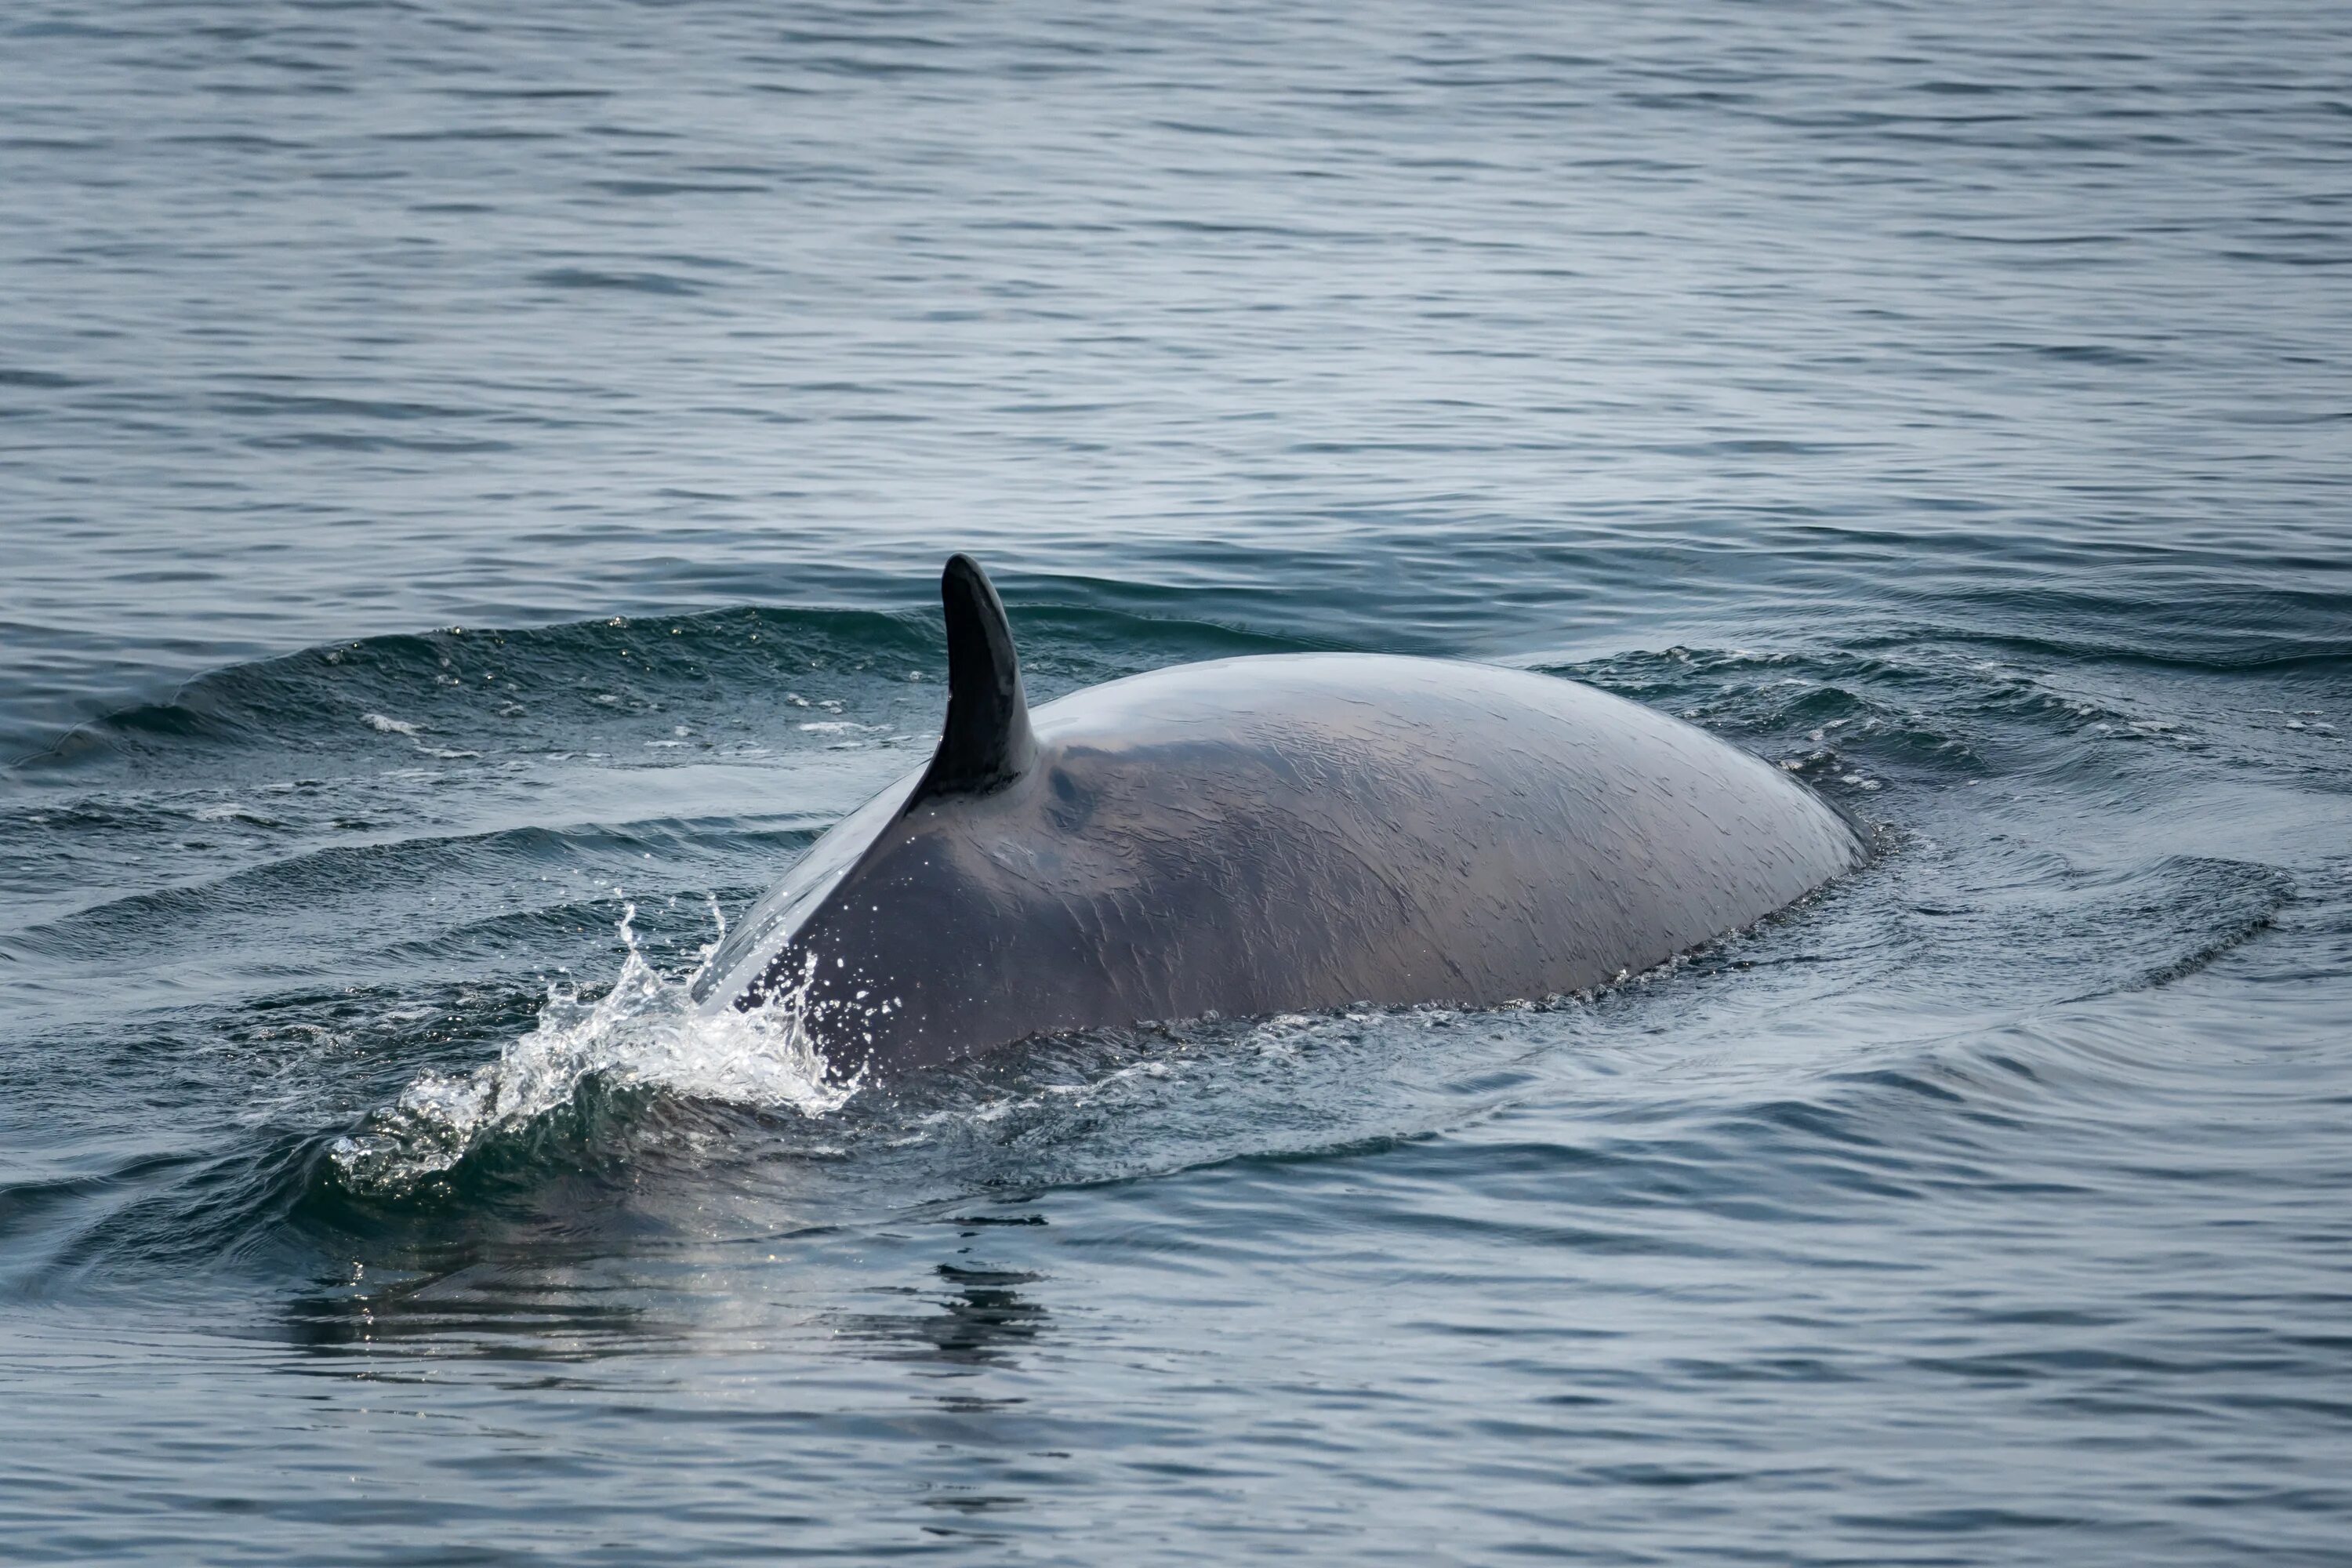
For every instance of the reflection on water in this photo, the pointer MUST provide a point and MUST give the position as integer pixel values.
(981, 1319)
(967, 1316)
(524, 1316)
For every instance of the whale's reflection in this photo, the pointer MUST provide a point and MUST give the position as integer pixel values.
(785, 1300)
(504, 1314)
(981, 1319)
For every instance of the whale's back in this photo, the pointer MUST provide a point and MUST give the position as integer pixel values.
(1290, 833)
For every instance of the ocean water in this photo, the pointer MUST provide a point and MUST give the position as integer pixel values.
(472, 483)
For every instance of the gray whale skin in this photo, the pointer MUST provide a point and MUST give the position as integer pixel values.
(1273, 834)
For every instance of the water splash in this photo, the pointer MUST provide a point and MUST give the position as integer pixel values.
(644, 1031)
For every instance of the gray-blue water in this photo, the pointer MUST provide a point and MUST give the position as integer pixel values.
(1953, 403)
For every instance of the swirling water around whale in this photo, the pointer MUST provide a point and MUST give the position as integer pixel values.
(1936, 414)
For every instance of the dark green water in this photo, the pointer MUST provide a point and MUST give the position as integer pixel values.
(471, 487)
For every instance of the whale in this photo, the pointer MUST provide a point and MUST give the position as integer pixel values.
(1264, 835)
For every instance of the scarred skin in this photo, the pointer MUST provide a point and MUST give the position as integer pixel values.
(1276, 834)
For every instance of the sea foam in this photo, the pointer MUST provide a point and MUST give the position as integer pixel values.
(644, 1030)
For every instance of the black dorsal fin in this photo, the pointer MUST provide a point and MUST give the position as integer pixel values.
(985, 744)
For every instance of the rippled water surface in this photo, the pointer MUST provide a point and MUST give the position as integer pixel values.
(472, 482)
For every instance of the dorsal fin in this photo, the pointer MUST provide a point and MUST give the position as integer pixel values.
(985, 744)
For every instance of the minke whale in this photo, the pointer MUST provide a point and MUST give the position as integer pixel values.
(1271, 834)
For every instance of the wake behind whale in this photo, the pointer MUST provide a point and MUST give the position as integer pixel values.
(1266, 834)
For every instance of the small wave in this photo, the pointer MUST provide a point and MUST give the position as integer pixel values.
(727, 673)
(645, 1032)
(233, 811)
(636, 283)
